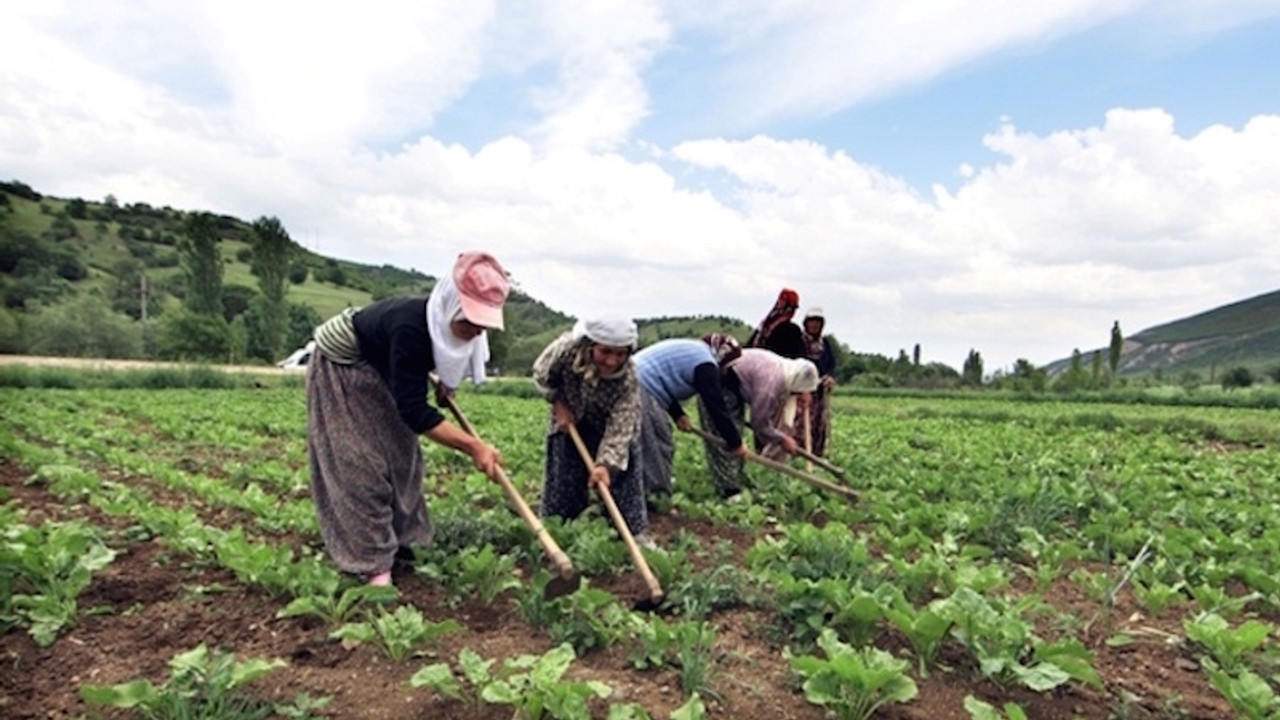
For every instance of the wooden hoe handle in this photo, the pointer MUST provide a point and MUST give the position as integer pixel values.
(637, 557)
(848, 493)
(563, 565)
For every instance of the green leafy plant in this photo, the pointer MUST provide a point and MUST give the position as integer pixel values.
(474, 672)
(1002, 641)
(587, 618)
(808, 606)
(1215, 599)
(68, 482)
(472, 572)
(268, 566)
(809, 552)
(532, 601)
(926, 629)
(980, 710)
(532, 685)
(853, 683)
(692, 709)
(397, 633)
(687, 646)
(1246, 692)
(698, 594)
(1155, 595)
(43, 570)
(303, 707)
(336, 608)
(201, 686)
(1228, 646)
(595, 548)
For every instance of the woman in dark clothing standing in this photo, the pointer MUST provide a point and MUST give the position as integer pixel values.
(818, 349)
(777, 332)
(367, 404)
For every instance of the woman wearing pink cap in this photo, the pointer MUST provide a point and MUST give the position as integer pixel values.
(367, 403)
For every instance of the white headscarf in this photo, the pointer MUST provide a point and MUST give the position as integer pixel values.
(455, 358)
(609, 330)
(800, 376)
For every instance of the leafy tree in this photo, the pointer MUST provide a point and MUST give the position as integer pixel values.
(332, 272)
(915, 355)
(77, 208)
(1073, 379)
(11, 337)
(202, 263)
(186, 335)
(68, 266)
(16, 247)
(1095, 369)
(236, 300)
(1025, 377)
(1237, 377)
(303, 320)
(1117, 343)
(84, 326)
(33, 284)
(272, 251)
(298, 273)
(972, 371)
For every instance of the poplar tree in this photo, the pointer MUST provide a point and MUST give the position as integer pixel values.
(272, 253)
(972, 372)
(202, 265)
(1117, 342)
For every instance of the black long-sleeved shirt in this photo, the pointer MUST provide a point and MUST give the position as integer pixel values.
(394, 339)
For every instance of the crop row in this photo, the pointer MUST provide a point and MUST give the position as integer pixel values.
(969, 514)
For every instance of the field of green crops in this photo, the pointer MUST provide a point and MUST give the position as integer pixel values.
(1004, 559)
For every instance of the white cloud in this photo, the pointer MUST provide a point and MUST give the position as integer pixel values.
(603, 49)
(307, 75)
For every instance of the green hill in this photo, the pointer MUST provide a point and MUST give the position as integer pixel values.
(1242, 334)
(53, 250)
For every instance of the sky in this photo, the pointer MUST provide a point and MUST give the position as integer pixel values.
(999, 176)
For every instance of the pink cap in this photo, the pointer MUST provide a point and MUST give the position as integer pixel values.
(482, 288)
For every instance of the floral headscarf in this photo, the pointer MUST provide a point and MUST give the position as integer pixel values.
(724, 346)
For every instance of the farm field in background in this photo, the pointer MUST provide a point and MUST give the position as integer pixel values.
(1058, 559)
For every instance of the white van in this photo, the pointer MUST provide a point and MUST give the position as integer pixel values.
(298, 360)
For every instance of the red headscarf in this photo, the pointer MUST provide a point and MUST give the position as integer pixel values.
(784, 308)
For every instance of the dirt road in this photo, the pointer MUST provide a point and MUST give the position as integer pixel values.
(107, 364)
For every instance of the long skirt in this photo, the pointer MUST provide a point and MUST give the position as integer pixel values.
(565, 493)
(366, 468)
(728, 471)
(657, 446)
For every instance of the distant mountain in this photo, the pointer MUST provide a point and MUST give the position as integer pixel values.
(1241, 334)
